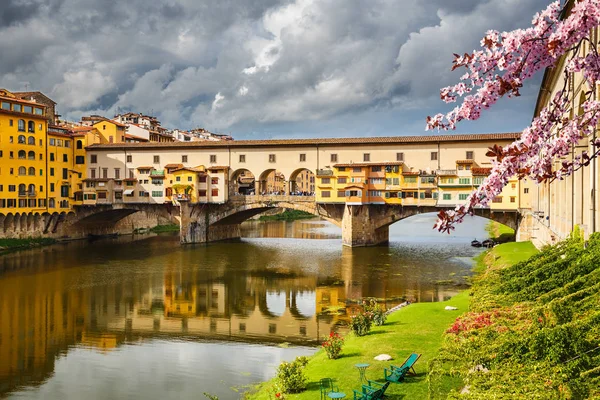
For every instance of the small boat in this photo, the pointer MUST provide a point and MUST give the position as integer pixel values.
(475, 243)
(488, 243)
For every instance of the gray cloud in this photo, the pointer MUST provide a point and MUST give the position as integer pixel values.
(251, 67)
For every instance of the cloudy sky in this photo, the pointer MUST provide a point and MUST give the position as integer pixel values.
(257, 68)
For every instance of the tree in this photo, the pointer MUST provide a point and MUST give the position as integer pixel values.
(499, 69)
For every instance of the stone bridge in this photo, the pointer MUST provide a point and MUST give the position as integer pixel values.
(362, 225)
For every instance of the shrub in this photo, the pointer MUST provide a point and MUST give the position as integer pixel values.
(361, 324)
(333, 345)
(291, 375)
(378, 315)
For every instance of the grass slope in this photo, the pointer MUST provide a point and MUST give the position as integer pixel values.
(500, 233)
(416, 328)
(287, 215)
(533, 330)
(12, 244)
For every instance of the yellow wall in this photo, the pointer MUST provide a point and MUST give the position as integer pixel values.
(110, 132)
(22, 163)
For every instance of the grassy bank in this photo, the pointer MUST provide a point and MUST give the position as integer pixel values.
(500, 233)
(533, 330)
(287, 215)
(165, 228)
(416, 328)
(14, 244)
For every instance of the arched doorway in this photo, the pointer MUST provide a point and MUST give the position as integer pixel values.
(272, 182)
(243, 183)
(302, 182)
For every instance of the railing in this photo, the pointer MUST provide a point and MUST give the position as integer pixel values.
(324, 172)
(271, 198)
(446, 172)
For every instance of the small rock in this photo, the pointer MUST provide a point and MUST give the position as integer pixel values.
(383, 357)
(450, 308)
(466, 390)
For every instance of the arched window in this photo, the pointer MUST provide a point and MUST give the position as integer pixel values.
(31, 126)
(31, 155)
(31, 140)
(21, 139)
(79, 144)
(22, 154)
(21, 189)
(31, 171)
(22, 171)
(21, 125)
(31, 189)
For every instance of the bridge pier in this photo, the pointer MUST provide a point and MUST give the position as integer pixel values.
(358, 229)
(195, 225)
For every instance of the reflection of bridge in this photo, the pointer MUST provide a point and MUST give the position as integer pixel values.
(362, 225)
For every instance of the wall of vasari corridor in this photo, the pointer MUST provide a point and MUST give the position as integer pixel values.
(560, 206)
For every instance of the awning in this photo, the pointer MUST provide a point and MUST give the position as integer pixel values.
(128, 192)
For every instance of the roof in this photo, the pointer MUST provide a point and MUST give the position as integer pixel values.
(465, 161)
(220, 167)
(130, 136)
(144, 167)
(174, 166)
(22, 95)
(188, 169)
(99, 119)
(370, 164)
(310, 142)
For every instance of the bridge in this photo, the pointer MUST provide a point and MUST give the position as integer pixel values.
(362, 225)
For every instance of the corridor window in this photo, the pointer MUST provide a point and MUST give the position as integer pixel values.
(399, 156)
(156, 159)
(334, 158)
(271, 158)
(434, 156)
(93, 159)
(129, 158)
(469, 155)
(366, 157)
(302, 157)
(184, 159)
(242, 158)
(213, 158)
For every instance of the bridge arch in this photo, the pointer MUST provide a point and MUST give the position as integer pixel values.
(242, 182)
(302, 180)
(272, 181)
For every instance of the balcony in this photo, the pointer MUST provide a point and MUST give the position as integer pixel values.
(446, 172)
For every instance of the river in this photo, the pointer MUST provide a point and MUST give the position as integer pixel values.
(143, 317)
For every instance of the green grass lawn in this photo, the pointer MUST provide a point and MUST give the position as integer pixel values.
(416, 328)
(500, 233)
(511, 253)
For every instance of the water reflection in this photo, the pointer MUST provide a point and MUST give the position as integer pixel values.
(60, 302)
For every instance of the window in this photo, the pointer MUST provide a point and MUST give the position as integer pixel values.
(326, 181)
(302, 157)
(21, 154)
(189, 178)
(157, 182)
(31, 171)
(93, 159)
(214, 192)
(342, 169)
(463, 196)
(497, 199)
(366, 157)
(341, 180)
(157, 193)
(513, 185)
(156, 159)
(213, 158)
(52, 187)
(129, 158)
(6, 105)
(357, 169)
(178, 178)
(105, 173)
(65, 173)
(447, 196)
(28, 109)
(375, 193)
(376, 169)
(464, 181)
(334, 158)
(271, 157)
(469, 155)
(12, 188)
(17, 107)
(410, 179)
(526, 190)
(80, 160)
(21, 125)
(184, 159)
(31, 140)
(477, 180)
(22, 171)
(21, 139)
(101, 195)
(65, 158)
(103, 127)
(396, 181)
(202, 193)
(10, 122)
(51, 156)
(242, 158)
(117, 173)
(427, 180)
(31, 126)
(376, 181)
(341, 193)
(434, 156)
(92, 173)
(513, 199)
(64, 191)
(202, 179)
(79, 144)
(325, 194)
(399, 156)
(214, 181)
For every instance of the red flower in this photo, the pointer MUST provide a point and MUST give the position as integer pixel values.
(278, 395)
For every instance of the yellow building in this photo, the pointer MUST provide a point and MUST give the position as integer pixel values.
(23, 127)
(60, 170)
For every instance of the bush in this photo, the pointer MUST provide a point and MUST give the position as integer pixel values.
(291, 375)
(361, 324)
(333, 345)
(378, 315)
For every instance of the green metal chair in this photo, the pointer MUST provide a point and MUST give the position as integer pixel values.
(395, 374)
(327, 386)
(372, 391)
(409, 363)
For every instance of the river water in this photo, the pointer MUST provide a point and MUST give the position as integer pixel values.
(143, 317)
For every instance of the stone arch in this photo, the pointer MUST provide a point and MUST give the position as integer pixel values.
(2, 219)
(272, 181)
(302, 181)
(23, 223)
(242, 181)
(37, 222)
(17, 222)
(30, 223)
(9, 223)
